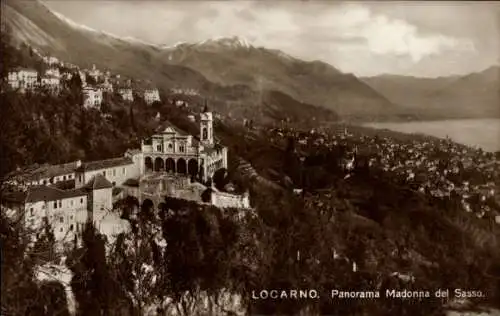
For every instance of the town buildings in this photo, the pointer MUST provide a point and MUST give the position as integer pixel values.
(23, 79)
(51, 82)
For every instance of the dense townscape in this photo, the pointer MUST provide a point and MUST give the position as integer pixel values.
(119, 198)
(437, 167)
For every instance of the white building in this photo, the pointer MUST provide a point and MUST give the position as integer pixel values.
(23, 78)
(50, 60)
(92, 97)
(173, 150)
(66, 211)
(94, 73)
(151, 95)
(192, 92)
(53, 72)
(51, 82)
(83, 77)
(106, 86)
(126, 94)
(44, 174)
(116, 170)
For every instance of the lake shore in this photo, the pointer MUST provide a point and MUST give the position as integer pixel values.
(482, 133)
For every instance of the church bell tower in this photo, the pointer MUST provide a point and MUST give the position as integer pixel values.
(206, 127)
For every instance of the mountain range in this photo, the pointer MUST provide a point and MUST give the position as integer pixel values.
(243, 80)
(475, 95)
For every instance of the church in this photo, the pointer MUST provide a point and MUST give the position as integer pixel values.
(175, 151)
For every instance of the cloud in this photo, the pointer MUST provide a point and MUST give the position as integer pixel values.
(330, 28)
(383, 35)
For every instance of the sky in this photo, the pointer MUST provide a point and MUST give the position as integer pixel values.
(423, 39)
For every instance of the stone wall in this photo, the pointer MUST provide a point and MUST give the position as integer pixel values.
(225, 200)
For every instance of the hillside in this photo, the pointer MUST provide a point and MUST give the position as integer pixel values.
(234, 61)
(472, 95)
(34, 24)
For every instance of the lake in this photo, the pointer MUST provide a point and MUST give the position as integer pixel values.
(484, 133)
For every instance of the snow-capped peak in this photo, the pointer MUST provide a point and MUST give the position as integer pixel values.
(176, 45)
(230, 42)
(76, 25)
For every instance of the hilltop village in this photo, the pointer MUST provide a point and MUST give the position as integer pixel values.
(170, 162)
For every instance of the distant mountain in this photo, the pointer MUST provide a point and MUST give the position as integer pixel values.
(234, 61)
(473, 95)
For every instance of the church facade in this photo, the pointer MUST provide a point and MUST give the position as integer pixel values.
(175, 151)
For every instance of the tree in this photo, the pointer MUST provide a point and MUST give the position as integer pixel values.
(45, 245)
(94, 287)
(220, 179)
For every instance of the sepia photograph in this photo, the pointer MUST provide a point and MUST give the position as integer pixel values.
(249, 157)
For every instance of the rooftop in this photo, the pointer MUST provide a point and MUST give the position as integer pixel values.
(168, 127)
(211, 149)
(44, 193)
(98, 182)
(105, 164)
(131, 183)
(24, 69)
(37, 172)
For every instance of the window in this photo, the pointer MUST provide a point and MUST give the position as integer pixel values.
(170, 146)
(64, 178)
(80, 178)
(181, 149)
(61, 229)
(158, 147)
(104, 173)
(61, 219)
(123, 170)
(205, 133)
(70, 176)
(71, 227)
(71, 202)
(44, 182)
(60, 204)
(55, 204)
(71, 217)
(31, 211)
(81, 200)
(114, 172)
